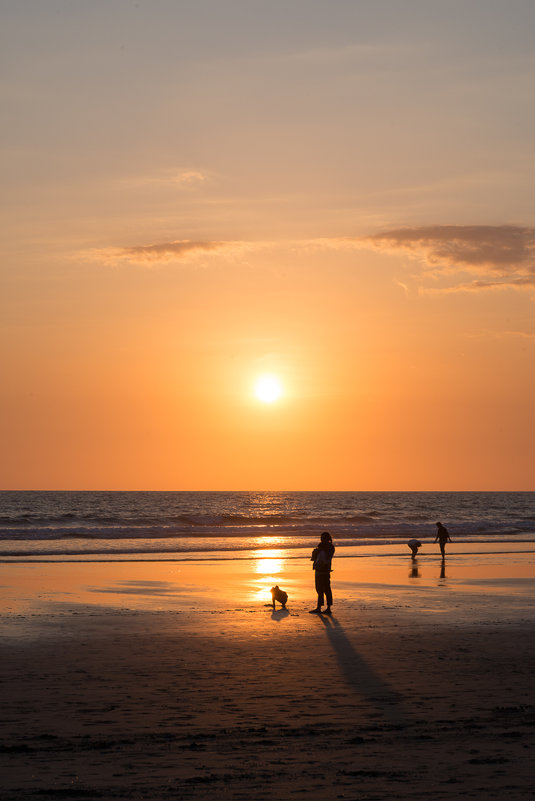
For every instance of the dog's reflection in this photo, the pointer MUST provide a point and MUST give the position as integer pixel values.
(279, 614)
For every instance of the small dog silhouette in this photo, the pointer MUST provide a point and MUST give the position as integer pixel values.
(279, 595)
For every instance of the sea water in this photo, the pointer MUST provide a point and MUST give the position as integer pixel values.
(134, 525)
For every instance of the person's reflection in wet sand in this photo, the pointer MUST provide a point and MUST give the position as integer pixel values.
(414, 571)
(443, 569)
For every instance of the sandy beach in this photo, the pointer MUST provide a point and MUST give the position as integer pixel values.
(157, 680)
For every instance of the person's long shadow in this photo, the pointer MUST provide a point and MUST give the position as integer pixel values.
(361, 677)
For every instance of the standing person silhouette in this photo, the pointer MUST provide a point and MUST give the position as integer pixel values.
(442, 538)
(322, 558)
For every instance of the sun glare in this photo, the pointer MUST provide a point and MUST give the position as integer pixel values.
(268, 388)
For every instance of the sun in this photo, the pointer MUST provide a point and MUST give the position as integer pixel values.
(268, 388)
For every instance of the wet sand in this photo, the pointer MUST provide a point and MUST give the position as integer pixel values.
(174, 680)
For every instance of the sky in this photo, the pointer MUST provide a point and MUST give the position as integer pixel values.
(336, 193)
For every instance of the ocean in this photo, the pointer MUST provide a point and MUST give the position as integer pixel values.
(166, 525)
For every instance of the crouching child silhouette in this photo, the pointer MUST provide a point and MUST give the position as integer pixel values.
(414, 545)
(322, 558)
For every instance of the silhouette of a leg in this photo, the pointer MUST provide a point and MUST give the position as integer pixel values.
(320, 589)
(328, 592)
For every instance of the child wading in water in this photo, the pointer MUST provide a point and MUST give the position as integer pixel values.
(322, 557)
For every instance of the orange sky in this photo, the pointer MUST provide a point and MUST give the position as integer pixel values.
(346, 206)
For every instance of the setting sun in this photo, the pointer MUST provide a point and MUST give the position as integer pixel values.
(268, 388)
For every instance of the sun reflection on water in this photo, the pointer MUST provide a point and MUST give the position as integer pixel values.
(268, 542)
(269, 565)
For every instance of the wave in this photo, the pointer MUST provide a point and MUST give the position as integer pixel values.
(341, 531)
(223, 519)
(94, 525)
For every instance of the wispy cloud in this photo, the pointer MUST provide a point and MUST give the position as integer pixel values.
(188, 177)
(181, 250)
(180, 177)
(524, 282)
(189, 250)
(523, 335)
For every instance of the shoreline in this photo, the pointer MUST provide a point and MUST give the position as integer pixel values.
(131, 550)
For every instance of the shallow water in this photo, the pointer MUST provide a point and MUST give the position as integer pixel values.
(486, 583)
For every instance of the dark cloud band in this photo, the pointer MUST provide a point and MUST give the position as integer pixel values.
(505, 249)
